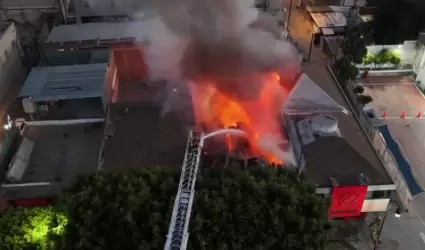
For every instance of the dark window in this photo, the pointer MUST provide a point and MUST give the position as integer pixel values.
(381, 194)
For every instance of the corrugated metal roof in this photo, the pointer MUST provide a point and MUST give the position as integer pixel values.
(103, 31)
(65, 82)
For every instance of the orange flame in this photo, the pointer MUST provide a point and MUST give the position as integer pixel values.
(259, 116)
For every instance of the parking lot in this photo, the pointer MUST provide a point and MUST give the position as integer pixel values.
(403, 106)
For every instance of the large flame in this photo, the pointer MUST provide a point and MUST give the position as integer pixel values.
(215, 109)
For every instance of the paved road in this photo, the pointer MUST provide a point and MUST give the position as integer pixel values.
(406, 232)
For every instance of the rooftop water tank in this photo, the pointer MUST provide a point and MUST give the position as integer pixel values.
(324, 125)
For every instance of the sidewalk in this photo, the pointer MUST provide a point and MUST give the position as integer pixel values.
(407, 231)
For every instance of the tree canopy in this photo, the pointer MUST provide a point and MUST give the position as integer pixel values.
(262, 208)
(233, 209)
(397, 20)
(257, 209)
(30, 228)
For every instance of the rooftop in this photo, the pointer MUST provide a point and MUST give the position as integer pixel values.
(329, 19)
(75, 57)
(65, 82)
(141, 133)
(141, 137)
(134, 86)
(348, 156)
(60, 153)
(102, 31)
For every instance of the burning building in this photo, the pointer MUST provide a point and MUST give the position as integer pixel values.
(257, 116)
(236, 81)
(237, 69)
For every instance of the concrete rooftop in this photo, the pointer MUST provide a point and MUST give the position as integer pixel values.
(350, 155)
(60, 153)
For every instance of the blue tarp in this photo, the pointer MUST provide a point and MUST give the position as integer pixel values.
(402, 163)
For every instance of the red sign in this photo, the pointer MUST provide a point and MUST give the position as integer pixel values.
(347, 201)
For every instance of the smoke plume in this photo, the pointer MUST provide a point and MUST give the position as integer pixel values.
(230, 45)
(218, 40)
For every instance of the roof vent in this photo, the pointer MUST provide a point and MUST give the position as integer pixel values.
(324, 125)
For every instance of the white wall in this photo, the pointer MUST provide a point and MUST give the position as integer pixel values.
(375, 205)
(12, 71)
(407, 50)
(419, 66)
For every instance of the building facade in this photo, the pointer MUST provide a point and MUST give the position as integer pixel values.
(12, 70)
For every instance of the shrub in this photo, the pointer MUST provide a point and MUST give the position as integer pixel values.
(369, 58)
(346, 70)
(383, 56)
(364, 99)
(358, 89)
(394, 58)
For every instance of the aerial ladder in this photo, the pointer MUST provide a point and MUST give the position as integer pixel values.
(177, 236)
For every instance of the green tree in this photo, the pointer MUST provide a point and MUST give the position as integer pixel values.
(233, 209)
(345, 70)
(354, 45)
(395, 21)
(29, 228)
(110, 210)
(257, 209)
